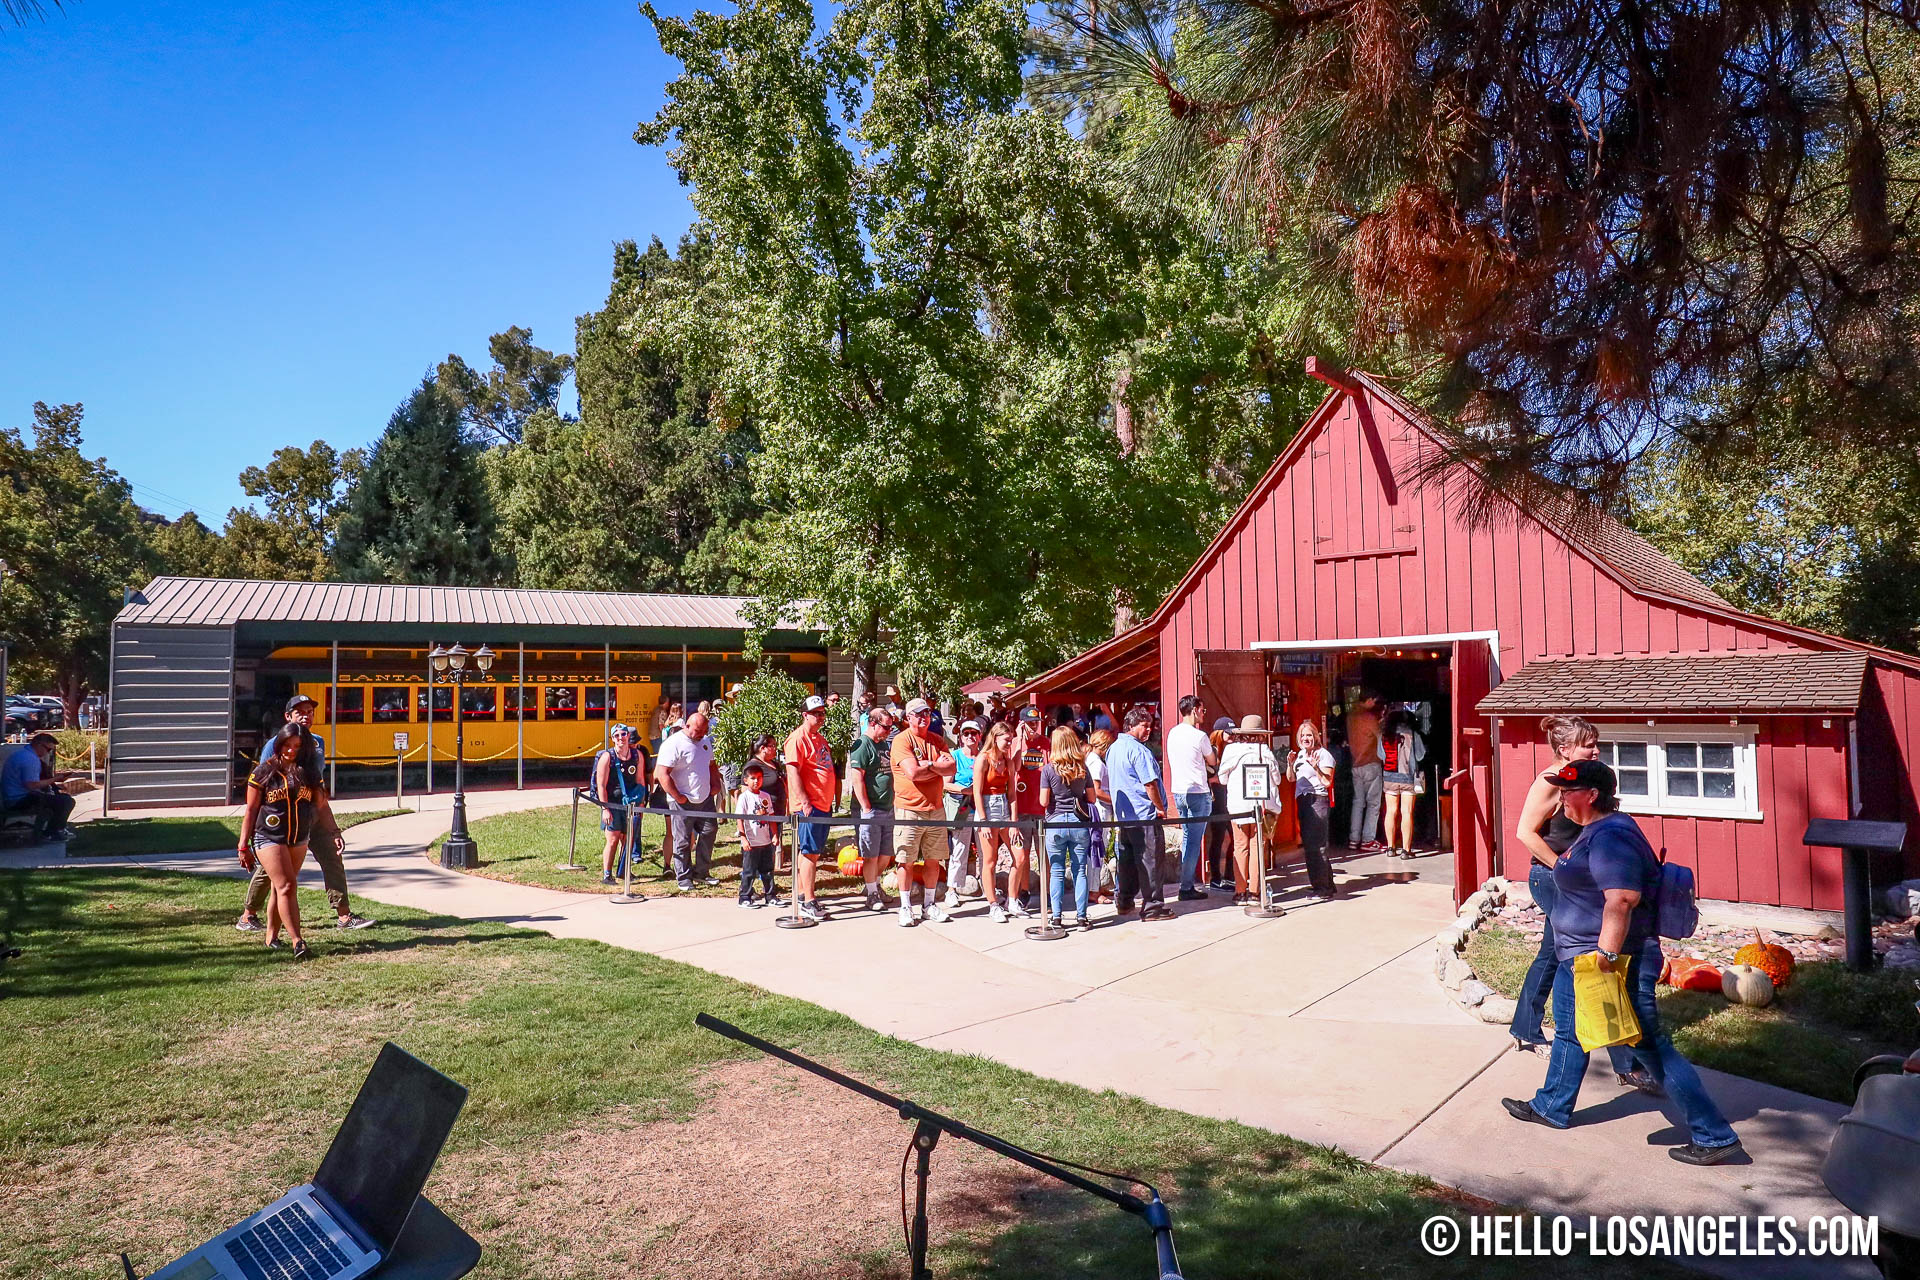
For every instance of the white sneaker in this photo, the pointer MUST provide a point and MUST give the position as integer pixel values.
(906, 916)
(919, 913)
(1015, 908)
(997, 913)
(937, 914)
(952, 900)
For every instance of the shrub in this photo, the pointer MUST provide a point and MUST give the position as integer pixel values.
(770, 702)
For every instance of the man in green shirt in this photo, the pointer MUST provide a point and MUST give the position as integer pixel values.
(870, 776)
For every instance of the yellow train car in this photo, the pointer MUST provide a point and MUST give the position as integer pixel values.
(382, 716)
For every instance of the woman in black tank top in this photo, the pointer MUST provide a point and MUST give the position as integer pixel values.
(1560, 832)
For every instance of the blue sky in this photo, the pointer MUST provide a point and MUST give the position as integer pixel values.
(231, 227)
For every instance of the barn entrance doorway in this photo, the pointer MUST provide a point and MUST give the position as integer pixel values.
(1431, 683)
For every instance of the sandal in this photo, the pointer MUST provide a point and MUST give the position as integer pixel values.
(301, 951)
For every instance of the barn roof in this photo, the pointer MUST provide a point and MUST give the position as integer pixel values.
(1718, 684)
(226, 601)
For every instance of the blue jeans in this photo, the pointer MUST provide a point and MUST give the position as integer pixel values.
(1531, 1006)
(1193, 835)
(1568, 1062)
(1061, 844)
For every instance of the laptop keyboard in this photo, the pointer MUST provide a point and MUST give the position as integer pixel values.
(287, 1246)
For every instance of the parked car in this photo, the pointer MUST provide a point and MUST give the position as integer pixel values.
(25, 716)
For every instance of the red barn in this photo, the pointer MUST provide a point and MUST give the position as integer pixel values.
(1354, 564)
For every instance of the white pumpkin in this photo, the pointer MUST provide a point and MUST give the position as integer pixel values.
(1746, 984)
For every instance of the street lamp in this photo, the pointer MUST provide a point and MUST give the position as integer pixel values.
(450, 665)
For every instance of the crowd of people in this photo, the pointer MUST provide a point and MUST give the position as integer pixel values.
(1092, 773)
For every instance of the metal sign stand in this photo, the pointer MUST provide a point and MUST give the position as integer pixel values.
(1046, 930)
(626, 894)
(573, 840)
(793, 919)
(1259, 778)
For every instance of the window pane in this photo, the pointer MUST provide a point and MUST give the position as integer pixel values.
(1630, 755)
(390, 706)
(1717, 786)
(596, 700)
(353, 705)
(1682, 784)
(477, 704)
(442, 702)
(1633, 782)
(520, 698)
(1683, 755)
(1716, 755)
(563, 702)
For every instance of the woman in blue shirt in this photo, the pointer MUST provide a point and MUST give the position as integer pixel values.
(1606, 887)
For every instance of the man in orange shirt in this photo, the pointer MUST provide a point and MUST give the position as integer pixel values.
(922, 764)
(810, 788)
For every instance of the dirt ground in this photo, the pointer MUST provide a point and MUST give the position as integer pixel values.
(777, 1174)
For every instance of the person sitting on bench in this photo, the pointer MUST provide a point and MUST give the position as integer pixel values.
(28, 784)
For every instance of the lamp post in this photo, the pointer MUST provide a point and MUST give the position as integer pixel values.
(450, 664)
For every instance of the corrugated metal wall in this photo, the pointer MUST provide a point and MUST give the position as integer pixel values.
(170, 738)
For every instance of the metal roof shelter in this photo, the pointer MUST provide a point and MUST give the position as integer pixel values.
(180, 643)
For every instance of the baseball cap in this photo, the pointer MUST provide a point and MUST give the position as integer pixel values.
(972, 726)
(1223, 725)
(918, 705)
(814, 702)
(1581, 774)
(1029, 714)
(622, 728)
(297, 700)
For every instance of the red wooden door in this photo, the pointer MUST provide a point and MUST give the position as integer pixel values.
(1471, 782)
(1232, 682)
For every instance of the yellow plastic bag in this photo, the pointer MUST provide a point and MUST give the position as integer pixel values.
(1602, 1014)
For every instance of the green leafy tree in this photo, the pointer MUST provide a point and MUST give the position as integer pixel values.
(1812, 534)
(73, 542)
(768, 701)
(646, 492)
(913, 288)
(188, 549)
(305, 492)
(497, 405)
(420, 511)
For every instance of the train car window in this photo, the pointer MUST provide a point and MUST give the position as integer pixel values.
(596, 702)
(478, 704)
(390, 706)
(353, 706)
(521, 702)
(442, 702)
(563, 702)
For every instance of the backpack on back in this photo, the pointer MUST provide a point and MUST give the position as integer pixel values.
(1675, 912)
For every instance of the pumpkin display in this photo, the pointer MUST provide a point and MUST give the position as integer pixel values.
(1687, 973)
(849, 861)
(1746, 984)
(1765, 954)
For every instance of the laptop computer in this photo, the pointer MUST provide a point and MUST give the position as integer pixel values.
(346, 1221)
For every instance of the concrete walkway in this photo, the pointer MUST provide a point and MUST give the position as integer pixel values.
(1326, 1025)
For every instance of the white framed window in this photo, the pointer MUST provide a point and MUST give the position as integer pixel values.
(1686, 770)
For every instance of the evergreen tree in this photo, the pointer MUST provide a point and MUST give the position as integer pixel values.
(420, 512)
(647, 490)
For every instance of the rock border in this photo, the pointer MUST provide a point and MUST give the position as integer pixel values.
(1450, 966)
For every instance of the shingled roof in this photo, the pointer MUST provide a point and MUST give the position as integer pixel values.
(1755, 683)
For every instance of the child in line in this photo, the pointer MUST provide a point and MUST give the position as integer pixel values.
(756, 839)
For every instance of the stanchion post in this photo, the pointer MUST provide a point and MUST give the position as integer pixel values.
(1046, 930)
(573, 839)
(793, 919)
(1263, 909)
(626, 894)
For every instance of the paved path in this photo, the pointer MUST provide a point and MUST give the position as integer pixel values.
(1326, 1025)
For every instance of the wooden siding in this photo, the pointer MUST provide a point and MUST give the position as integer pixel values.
(1801, 766)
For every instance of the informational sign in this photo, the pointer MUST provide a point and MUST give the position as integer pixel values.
(401, 741)
(1256, 782)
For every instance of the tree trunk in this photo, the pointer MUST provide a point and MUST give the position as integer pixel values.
(73, 692)
(1123, 413)
(1124, 619)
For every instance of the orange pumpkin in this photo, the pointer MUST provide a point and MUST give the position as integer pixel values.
(1684, 973)
(1765, 954)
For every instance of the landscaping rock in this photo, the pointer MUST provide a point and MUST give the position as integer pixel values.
(1495, 1009)
(1903, 900)
(1453, 936)
(1457, 972)
(1478, 903)
(1904, 956)
(1474, 992)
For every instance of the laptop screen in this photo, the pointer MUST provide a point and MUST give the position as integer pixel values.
(384, 1151)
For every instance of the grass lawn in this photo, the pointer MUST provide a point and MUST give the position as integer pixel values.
(1823, 1025)
(121, 837)
(525, 847)
(165, 1073)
